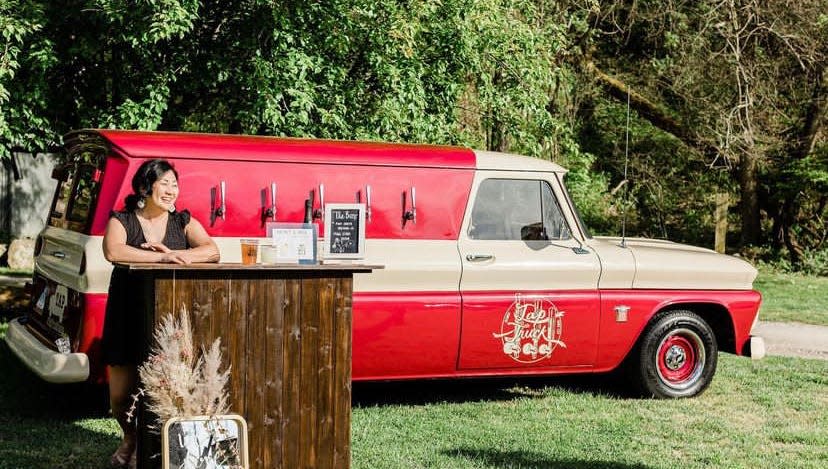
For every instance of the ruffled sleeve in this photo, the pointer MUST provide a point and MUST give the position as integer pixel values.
(183, 218)
(122, 217)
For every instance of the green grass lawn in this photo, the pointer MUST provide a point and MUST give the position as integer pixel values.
(770, 413)
(792, 297)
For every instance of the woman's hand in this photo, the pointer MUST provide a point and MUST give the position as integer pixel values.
(169, 256)
(175, 257)
(157, 247)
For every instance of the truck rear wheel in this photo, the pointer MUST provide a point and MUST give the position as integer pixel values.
(677, 356)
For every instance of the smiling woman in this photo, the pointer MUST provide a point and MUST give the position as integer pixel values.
(149, 229)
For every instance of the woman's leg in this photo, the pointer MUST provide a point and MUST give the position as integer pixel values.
(122, 381)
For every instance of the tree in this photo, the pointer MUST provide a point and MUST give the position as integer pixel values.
(726, 77)
(483, 73)
(25, 55)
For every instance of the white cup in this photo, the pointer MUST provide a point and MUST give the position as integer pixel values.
(269, 253)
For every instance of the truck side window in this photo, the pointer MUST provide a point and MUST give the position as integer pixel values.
(518, 210)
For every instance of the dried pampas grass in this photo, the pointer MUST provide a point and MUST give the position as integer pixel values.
(175, 382)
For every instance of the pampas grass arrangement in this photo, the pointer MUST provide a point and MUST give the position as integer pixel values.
(175, 382)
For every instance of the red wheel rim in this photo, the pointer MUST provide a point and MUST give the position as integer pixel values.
(680, 358)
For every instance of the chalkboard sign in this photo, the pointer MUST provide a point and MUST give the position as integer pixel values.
(344, 231)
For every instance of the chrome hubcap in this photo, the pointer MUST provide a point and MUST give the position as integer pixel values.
(675, 357)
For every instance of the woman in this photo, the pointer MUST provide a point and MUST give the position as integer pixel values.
(149, 229)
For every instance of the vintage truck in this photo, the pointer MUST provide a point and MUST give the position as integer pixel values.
(488, 270)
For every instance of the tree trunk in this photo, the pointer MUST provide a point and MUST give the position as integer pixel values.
(802, 145)
(790, 212)
(650, 111)
(748, 184)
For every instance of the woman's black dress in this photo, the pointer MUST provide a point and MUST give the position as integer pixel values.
(123, 331)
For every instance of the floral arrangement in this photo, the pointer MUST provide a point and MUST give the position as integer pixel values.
(175, 382)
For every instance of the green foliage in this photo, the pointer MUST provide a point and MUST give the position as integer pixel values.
(668, 194)
(740, 81)
(813, 262)
(25, 56)
(487, 74)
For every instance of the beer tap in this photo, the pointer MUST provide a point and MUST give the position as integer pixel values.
(410, 215)
(269, 211)
(218, 210)
(320, 212)
(367, 201)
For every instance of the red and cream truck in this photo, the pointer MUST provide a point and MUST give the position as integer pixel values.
(488, 270)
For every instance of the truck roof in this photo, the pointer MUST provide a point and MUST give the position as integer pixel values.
(191, 145)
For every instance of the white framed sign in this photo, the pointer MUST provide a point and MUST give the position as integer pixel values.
(344, 231)
(294, 242)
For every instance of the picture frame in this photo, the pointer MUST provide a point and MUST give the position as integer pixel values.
(344, 231)
(208, 442)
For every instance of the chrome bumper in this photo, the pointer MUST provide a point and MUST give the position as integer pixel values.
(50, 365)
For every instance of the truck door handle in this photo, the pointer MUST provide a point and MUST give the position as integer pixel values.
(479, 257)
(59, 254)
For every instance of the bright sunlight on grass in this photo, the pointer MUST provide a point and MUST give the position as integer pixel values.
(792, 297)
(771, 413)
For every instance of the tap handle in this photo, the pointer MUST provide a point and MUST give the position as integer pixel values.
(368, 203)
(320, 212)
(223, 206)
(322, 196)
(273, 200)
(410, 215)
(414, 204)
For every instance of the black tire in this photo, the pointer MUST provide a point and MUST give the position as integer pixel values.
(676, 356)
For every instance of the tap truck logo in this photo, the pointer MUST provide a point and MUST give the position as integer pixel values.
(531, 330)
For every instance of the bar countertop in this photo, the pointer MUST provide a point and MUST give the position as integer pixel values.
(348, 267)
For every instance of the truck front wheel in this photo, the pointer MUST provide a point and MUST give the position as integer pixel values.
(676, 357)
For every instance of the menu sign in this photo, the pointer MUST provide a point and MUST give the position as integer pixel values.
(293, 242)
(344, 231)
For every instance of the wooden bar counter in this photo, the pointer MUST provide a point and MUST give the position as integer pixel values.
(286, 332)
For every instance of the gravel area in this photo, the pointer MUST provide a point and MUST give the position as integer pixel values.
(793, 339)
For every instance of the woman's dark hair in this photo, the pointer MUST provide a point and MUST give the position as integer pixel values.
(149, 172)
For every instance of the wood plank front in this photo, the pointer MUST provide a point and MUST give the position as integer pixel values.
(287, 337)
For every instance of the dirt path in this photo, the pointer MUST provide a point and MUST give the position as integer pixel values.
(793, 339)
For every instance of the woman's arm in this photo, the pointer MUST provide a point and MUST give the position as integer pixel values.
(116, 249)
(203, 249)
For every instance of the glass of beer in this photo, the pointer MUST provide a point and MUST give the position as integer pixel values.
(249, 250)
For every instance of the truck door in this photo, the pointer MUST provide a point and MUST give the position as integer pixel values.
(529, 288)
